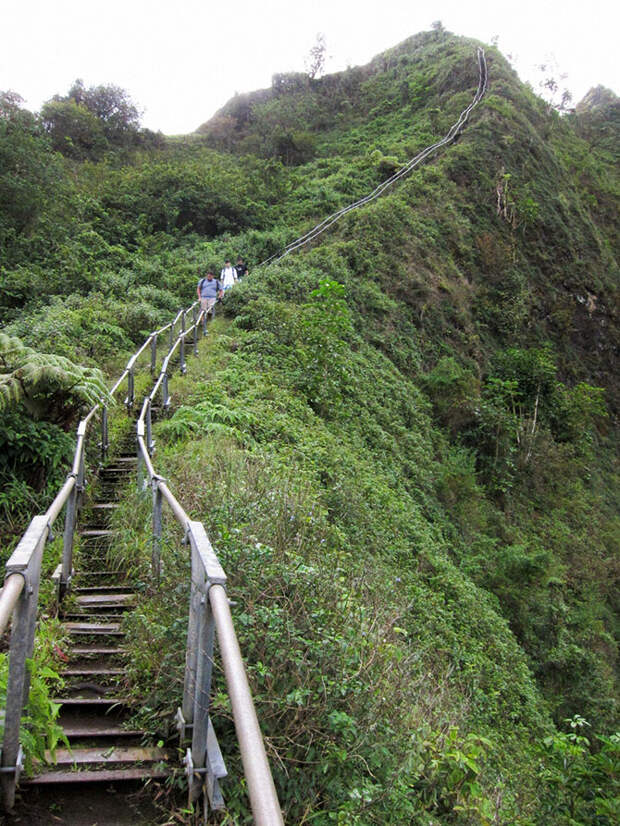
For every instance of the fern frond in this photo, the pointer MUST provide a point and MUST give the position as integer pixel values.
(50, 386)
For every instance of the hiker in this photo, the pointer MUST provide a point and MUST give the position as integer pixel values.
(228, 276)
(209, 290)
(241, 268)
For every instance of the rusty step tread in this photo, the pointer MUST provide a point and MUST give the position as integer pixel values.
(92, 626)
(91, 701)
(85, 574)
(103, 731)
(112, 754)
(89, 589)
(116, 471)
(93, 672)
(111, 599)
(94, 776)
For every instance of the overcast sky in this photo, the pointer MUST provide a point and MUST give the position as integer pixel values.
(180, 60)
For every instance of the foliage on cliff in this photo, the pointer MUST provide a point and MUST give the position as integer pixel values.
(401, 439)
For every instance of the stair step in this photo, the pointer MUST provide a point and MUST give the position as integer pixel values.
(105, 505)
(112, 600)
(95, 650)
(122, 754)
(97, 574)
(94, 776)
(93, 672)
(91, 701)
(116, 471)
(98, 627)
(98, 532)
(90, 589)
(93, 629)
(98, 728)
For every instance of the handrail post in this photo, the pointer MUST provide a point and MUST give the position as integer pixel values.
(157, 525)
(205, 638)
(164, 391)
(150, 444)
(195, 337)
(153, 352)
(80, 484)
(182, 355)
(104, 433)
(206, 572)
(204, 322)
(183, 321)
(130, 390)
(67, 542)
(140, 468)
(197, 587)
(171, 336)
(25, 560)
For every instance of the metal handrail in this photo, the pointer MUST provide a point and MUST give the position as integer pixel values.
(209, 614)
(19, 596)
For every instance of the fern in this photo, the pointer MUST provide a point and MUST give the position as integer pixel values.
(47, 385)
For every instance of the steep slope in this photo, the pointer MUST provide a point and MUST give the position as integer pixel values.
(412, 473)
(402, 439)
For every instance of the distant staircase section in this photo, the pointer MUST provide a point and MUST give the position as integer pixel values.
(447, 139)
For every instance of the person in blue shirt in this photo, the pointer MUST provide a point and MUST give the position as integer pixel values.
(209, 290)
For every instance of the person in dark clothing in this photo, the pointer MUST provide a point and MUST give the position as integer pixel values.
(241, 268)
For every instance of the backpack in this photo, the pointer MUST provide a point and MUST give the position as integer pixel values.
(218, 286)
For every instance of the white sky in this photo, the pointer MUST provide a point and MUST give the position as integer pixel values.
(180, 60)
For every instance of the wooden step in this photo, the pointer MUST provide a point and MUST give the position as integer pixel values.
(96, 756)
(97, 727)
(93, 628)
(110, 599)
(111, 472)
(99, 589)
(93, 672)
(94, 776)
(93, 616)
(91, 701)
(95, 651)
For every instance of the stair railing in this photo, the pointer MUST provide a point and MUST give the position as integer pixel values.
(209, 615)
(19, 596)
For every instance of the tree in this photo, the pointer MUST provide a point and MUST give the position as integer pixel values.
(28, 171)
(111, 105)
(85, 123)
(74, 130)
(315, 60)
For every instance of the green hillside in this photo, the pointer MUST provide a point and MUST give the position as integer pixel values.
(402, 438)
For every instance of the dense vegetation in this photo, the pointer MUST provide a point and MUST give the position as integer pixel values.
(401, 441)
